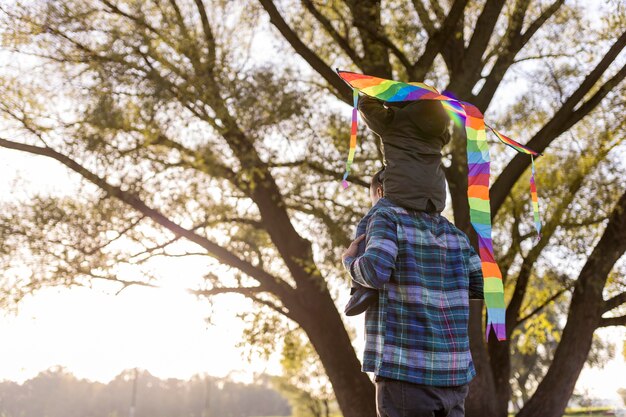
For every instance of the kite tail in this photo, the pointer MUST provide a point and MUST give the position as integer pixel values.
(353, 130)
(533, 188)
(478, 170)
(535, 200)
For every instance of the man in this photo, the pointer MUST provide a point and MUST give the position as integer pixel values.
(417, 344)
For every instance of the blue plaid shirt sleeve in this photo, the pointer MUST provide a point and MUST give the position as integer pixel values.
(374, 267)
(475, 275)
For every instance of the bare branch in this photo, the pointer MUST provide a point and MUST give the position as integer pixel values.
(613, 321)
(179, 19)
(614, 302)
(543, 305)
(249, 292)
(208, 37)
(381, 37)
(319, 168)
(513, 43)
(366, 17)
(120, 234)
(342, 90)
(436, 6)
(422, 13)
(226, 257)
(342, 41)
(543, 18)
(465, 77)
(562, 120)
(205, 161)
(584, 223)
(437, 40)
(541, 56)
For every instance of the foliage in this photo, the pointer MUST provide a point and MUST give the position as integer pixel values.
(303, 382)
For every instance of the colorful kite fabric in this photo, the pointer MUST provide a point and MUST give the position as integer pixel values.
(478, 164)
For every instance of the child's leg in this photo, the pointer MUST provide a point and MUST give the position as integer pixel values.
(362, 297)
(355, 287)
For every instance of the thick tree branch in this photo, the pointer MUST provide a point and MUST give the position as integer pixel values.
(270, 282)
(614, 302)
(485, 25)
(437, 40)
(549, 228)
(613, 321)
(584, 317)
(424, 16)
(543, 18)
(321, 169)
(465, 76)
(514, 42)
(366, 15)
(565, 117)
(594, 100)
(453, 52)
(342, 90)
(436, 6)
(507, 259)
(381, 37)
(180, 21)
(249, 292)
(342, 41)
(208, 37)
(541, 306)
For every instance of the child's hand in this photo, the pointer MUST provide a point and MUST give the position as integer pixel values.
(353, 248)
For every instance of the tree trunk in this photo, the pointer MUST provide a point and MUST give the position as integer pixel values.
(480, 400)
(585, 312)
(500, 356)
(456, 175)
(556, 388)
(323, 325)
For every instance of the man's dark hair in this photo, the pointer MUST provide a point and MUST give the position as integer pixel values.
(378, 178)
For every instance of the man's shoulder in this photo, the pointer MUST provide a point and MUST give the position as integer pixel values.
(385, 207)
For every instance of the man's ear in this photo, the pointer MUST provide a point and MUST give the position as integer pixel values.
(379, 192)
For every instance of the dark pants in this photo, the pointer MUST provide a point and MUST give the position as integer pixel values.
(404, 399)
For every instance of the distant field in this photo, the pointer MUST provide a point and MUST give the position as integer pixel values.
(582, 412)
(586, 412)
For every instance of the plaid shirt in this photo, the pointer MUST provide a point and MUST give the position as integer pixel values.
(425, 270)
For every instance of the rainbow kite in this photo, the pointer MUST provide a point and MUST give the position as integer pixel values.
(478, 162)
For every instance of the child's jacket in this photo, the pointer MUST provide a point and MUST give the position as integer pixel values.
(412, 138)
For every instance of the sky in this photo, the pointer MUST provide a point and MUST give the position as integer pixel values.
(96, 334)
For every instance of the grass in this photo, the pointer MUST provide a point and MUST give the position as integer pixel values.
(584, 412)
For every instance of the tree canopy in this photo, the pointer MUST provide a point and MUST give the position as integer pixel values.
(222, 124)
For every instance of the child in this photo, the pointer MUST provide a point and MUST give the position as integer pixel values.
(412, 134)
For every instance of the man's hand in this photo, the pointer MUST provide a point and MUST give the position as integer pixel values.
(353, 248)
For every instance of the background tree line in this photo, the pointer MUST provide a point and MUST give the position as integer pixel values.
(57, 393)
(221, 124)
